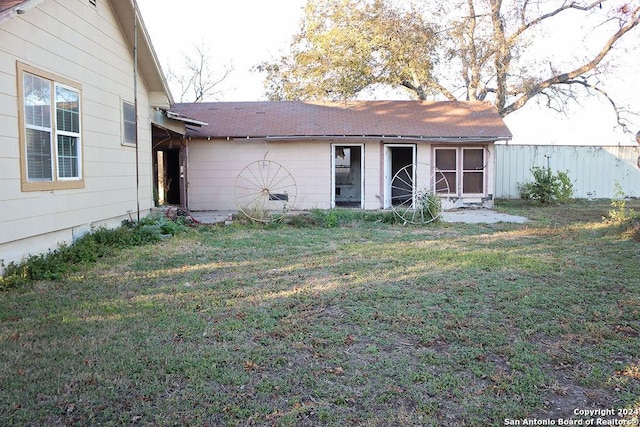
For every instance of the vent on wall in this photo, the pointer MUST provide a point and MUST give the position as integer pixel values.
(93, 2)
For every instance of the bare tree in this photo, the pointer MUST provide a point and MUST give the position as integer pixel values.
(485, 50)
(512, 90)
(197, 78)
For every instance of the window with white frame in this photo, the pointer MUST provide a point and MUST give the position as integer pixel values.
(447, 163)
(50, 135)
(464, 168)
(128, 123)
(473, 170)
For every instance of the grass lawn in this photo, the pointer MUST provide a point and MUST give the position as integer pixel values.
(362, 324)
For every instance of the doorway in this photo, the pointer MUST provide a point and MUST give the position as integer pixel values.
(167, 177)
(347, 176)
(172, 176)
(169, 167)
(397, 157)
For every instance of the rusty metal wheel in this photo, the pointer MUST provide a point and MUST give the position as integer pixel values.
(418, 192)
(265, 191)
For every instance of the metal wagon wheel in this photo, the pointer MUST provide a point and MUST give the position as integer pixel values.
(417, 193)
(265, 191)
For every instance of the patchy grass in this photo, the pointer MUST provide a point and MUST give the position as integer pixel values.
(84, 252)
(561, 214)
(361, 323)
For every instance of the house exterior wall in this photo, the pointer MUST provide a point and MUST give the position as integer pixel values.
(214, 165)
(373, 175)
(81, 43)
(594, 170)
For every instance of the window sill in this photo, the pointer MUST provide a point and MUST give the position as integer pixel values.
(52, 185)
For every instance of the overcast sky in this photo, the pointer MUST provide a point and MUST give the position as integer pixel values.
(243, 33)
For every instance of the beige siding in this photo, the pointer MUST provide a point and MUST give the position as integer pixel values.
(214, 165)
(84, 44)
(373, 171)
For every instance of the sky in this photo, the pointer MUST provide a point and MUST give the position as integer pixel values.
(243, 33)
(239, 33)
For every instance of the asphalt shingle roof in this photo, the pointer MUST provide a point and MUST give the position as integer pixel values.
(407, 119)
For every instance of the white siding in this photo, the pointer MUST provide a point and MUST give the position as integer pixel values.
(84, 44)
(593, 170)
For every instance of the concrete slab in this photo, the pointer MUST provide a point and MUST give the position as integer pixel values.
(212, 217)
(480, 216)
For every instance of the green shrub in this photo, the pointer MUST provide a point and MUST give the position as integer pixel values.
(102, 241)
(546, 186)
(619, 212)
(429, 204)
(627, 219)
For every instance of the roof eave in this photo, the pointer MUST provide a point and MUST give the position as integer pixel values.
(18, 9)
(186, 120)
(148, 62)
(385, 138)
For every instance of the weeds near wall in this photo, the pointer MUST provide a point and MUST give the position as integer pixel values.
(546, 186)
(339, 218)
(619, 212)
(623, 216)
(430, 205)
(66, 259)
(321, 218)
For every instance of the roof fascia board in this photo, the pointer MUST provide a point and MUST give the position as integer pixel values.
(148, 59)
(381, 138)
(184, 119)
(153, 54)
(158, 118)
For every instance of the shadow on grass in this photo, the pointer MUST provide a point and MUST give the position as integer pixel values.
(382, 325)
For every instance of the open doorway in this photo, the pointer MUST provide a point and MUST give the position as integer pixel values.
(168, 168)
(170, 176)
(347, 176)
(397, 157)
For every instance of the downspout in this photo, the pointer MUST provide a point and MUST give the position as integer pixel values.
(135, 102)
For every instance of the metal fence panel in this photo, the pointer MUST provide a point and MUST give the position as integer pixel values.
(594, 170)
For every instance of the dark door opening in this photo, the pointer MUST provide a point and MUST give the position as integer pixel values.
(172, 177)
(402, 186)
(168, 167)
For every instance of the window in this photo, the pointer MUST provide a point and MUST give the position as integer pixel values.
(464, 169)
(128, 123)
(446, 162)
(473, 170)
(50, 134)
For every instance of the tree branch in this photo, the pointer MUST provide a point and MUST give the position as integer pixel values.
(565, 77)
(541, 18)
(621, 122)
